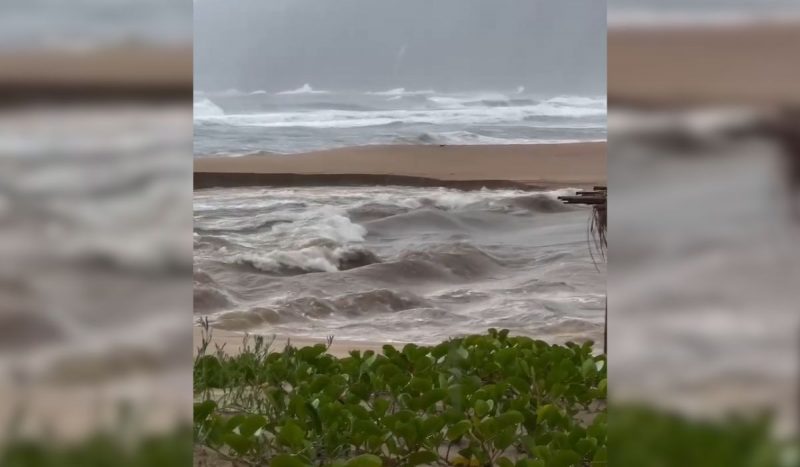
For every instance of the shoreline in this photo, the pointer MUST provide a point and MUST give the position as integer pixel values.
(465, 167)
(204, 180)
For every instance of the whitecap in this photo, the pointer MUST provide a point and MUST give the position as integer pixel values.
(304, 89)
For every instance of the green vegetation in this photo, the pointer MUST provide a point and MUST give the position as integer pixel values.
(480, 400)
(641, 436)
(101, 450)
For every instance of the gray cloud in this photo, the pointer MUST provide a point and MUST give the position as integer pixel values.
(548, 46)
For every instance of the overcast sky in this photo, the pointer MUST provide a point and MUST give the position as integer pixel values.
(548, 46)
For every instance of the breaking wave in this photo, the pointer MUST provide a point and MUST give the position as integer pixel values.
(400, 92)
(307, 260)
(206, 108)
(475, 115)
(304, 89)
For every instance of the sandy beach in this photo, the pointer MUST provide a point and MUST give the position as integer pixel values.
(747, 64)
(500, 166)
(125, 72)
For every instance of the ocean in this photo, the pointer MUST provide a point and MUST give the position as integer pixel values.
(235, 122)
(395, 264)
(392, 263)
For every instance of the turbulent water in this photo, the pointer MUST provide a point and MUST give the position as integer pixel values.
(395, 263)
(94, 249)
(307, 119)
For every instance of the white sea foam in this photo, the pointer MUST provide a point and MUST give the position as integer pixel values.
(578, 101)
(304, 89)
(467, 137)
(309, 259)
(204, 108)
(399, 92)
(467, 99)
(441, 116)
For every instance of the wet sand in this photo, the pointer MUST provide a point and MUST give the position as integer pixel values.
(499, 166)
(753, 65)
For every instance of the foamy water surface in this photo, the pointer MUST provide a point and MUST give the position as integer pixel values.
(304, 119)
(395, 263)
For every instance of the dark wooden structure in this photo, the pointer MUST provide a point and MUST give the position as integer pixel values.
(597, 199)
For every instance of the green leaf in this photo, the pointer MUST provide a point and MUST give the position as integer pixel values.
(365, 460)
(548, 413)
(586, 446)
(422, 457)
(488, 427)
(418, 384)
(408, 432)
(203, 409)
(461, 353)
(285, 460)
(481, 408)
(367, 363)
(239, 443)
(431, 397)
(458, 430)
(457, 396)
(505, 438)
(509, 418)
(251, 424)
(380, 406)
(291, 435)
(589, 368)
(600, 457)
(564, 458)
(233, 422)
(432, 425)
(316, 422)
(365, 426)
(603, 387)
